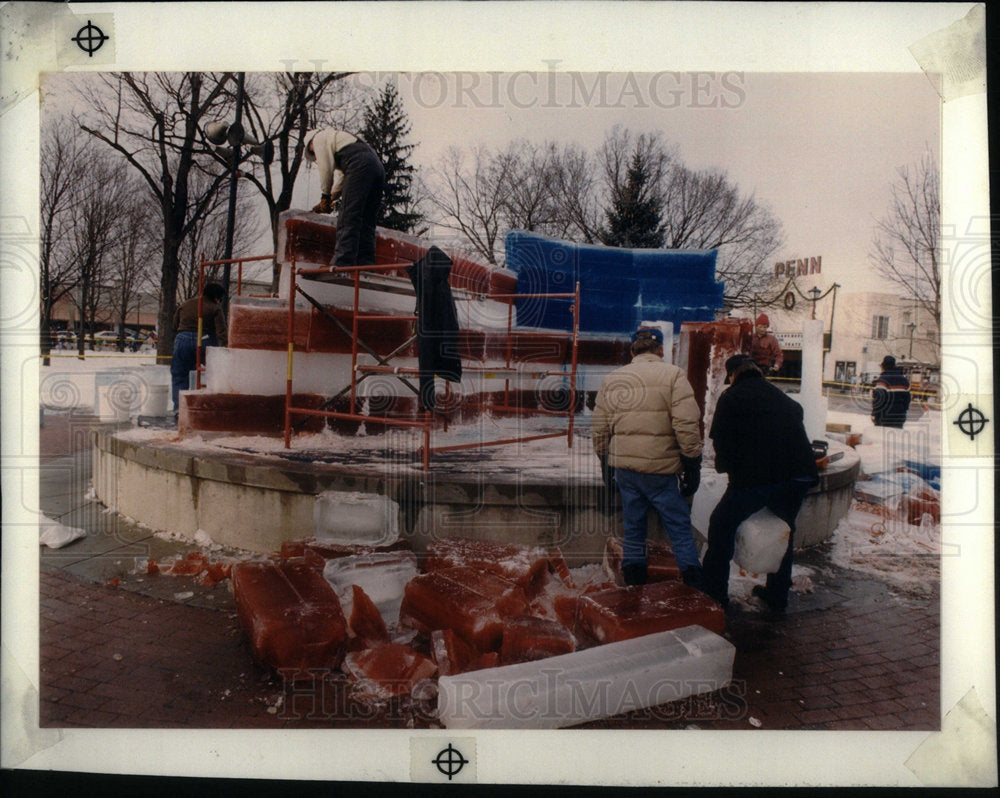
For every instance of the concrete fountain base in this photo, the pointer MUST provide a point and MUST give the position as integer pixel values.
(255, 497)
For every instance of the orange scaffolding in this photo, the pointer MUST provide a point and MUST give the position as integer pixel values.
(426, 422)
(202, 265)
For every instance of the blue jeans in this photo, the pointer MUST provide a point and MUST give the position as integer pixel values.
(183, 361)
(784, 500)
(640, 492)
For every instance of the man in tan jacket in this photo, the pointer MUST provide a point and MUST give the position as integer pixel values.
(646, 422)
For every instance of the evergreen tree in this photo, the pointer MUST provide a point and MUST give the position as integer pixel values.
(386, 126)
(634, 218)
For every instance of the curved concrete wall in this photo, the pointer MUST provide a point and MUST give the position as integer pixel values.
(257, 501)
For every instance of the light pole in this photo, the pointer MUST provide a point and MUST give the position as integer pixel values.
(911, 326)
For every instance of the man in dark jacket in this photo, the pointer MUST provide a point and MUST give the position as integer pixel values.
(890, 396)
(761, 443)
(213, 332)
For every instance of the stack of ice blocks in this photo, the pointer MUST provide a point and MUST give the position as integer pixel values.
(619, 287)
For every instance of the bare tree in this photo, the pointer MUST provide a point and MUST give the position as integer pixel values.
(704, 210)
(98, 206)
(576, 192)
(905, 243)
(62, 172)
(135, 246)
(208, 238)
(281, 108)
(529, 203)
(153, 120)
(470, 192)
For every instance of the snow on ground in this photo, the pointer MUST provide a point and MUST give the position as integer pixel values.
(904, 555)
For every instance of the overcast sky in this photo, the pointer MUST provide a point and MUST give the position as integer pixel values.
(820, 150)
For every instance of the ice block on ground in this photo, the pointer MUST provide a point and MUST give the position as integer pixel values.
(628, 612)
(389, 670)
(355, 518)
(451, 653)
(471, 603)
(557, 602)
(659, 559)
(316, 553)
(365, 621)
(382, 575)
(761, 542)
(559, 566)
(924, 501)
(291, 615)
(586, 685)
(526, 566)
(526, 638)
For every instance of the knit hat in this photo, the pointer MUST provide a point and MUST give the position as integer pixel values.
(762, 319)
(648, 333)
(888, 362)
(310, 156)
(739, 363)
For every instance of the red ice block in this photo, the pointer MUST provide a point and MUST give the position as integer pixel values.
(660, 560)
(263, 326)
(291, 615)
(559, 566)
(192, 564)
(471, 603)
(390, 670)
(316, 553)
(526, 638)
(451, 653)
(526, 566)
(234, 412)
(624, 613)
(916, 505)
(366, 621)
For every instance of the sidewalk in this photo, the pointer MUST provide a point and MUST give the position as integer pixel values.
(122, 649)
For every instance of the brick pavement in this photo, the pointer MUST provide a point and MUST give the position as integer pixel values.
(115, 657)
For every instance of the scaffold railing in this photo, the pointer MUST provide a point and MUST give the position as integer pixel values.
(426, 422)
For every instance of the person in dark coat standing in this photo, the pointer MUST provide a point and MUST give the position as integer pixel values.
(361, 175)
(890, 396)
(213, 331)
(761, 443)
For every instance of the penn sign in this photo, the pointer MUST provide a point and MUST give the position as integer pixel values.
(799, 267)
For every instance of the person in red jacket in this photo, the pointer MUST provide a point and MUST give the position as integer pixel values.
(765, 351)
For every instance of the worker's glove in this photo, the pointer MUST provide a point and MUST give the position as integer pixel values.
(690, 477)
(325, 205)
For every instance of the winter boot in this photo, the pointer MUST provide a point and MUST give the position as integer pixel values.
(691, 576)
(634, 574)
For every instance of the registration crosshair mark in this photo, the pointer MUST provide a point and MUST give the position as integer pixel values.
(971, 421)
(450, 761)
(90, 39)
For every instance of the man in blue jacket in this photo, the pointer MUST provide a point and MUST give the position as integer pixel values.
(761, 443)
(890, 396)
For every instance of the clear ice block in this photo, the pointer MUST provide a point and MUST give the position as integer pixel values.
(382, 575)
(589, 684)
(761, 541)
(343, 517)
